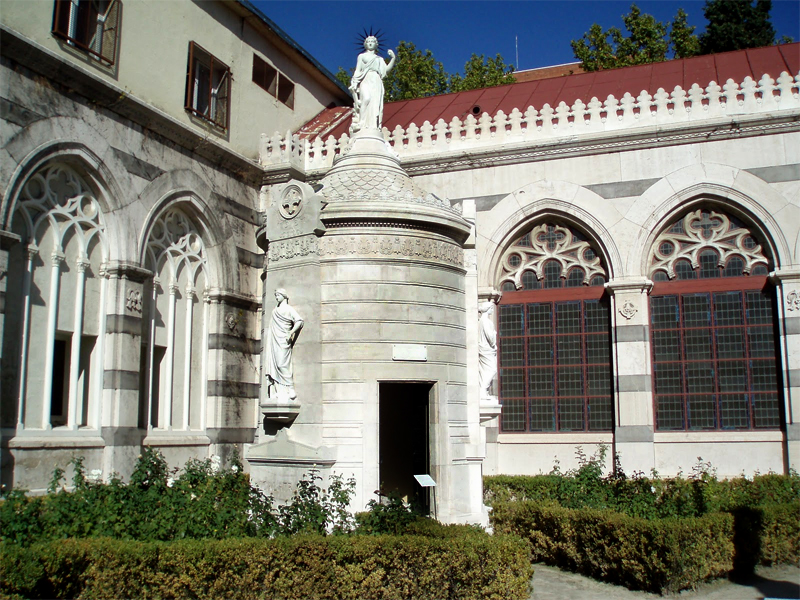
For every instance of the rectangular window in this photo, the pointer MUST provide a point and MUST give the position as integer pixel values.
(714, 360)
(91, 25)
(265, 76)
(555, 366)
(275, 83)
(208, 84)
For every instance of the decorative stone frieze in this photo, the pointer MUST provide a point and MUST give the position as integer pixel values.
(299, 247)
(392, 246)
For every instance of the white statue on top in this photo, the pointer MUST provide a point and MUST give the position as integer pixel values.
(283, 330)
(487, 350)
(367, 86)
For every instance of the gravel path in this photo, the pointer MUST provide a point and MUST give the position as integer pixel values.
(782, 582)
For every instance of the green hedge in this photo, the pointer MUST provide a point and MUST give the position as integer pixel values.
(641, 496)
(468, 566)
(766, 535)
(657, 555)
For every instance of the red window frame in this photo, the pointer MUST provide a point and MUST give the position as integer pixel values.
(556, 296)
(79, 24)
(695, 287)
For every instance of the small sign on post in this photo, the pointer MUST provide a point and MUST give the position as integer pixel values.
(427, 481)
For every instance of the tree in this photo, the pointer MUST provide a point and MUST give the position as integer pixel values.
(481, 72)
(415, 75)
(647, 42)
(736, 25)
(682, 38)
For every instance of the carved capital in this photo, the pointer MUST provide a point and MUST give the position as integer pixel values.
(32, 251)
(57, 258)
(82, 265)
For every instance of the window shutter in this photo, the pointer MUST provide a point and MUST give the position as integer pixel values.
(108, 45)
(223, 96)
(190, 79)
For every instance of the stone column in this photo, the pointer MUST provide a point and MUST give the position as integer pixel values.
(119, 416)
(788, 282)
(633, 374)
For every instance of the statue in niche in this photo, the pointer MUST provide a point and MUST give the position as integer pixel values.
(487, 350)
(367, 86)
(283, 330)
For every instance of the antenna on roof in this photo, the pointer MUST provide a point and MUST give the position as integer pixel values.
(516, 43)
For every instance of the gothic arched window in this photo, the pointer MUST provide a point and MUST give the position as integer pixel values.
(554, 334)
(713, 327)
(175, 318)
(52, 344)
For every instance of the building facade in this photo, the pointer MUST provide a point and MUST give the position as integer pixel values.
(638, 231)
(131, 199)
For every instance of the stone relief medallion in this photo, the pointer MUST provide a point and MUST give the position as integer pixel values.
(628, 309)
(291, 202)
(793, 300)
(134, 302)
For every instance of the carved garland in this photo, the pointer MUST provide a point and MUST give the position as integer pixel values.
(698, 231)
(549, 242)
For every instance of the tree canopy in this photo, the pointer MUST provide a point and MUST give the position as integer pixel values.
(732, 25)
(417, 74)
(647, 42)
(736, 25)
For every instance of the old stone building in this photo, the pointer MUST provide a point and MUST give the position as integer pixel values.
(638, 231)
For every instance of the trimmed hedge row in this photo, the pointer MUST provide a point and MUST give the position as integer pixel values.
(643, 496)
(656, 555)
(300, 567)
(766, 535)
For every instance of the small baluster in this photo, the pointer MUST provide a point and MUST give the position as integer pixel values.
(715, 106)
(731, 93)
(678, 103)
(749, 88)
(515, 119)
(611, 106)
(531, 122)
(413, 137)
(486, 127)
(661, 102)
(398, 139)
(470, 130)
(595, 117)
(441, 130)
(786, 89)
(500, 121)
(455, 130)
(696, 97)
(646, 107)
(427, 135)
(276, 148)
(547, 120)
(767, 88)
(628, 105)
(579, 116)
(330, 150)
(561, 122)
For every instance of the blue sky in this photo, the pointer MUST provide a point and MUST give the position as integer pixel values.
(453, 30)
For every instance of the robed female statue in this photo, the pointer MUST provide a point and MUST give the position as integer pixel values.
(367, 86)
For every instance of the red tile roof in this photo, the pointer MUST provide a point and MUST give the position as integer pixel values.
(771, 60)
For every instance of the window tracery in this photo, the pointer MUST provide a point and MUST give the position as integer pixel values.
(550, 255)
(703, 244)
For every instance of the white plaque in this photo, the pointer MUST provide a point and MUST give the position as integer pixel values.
(425, 480)
(410, 352)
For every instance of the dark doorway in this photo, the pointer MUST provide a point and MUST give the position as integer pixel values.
(404, 440)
